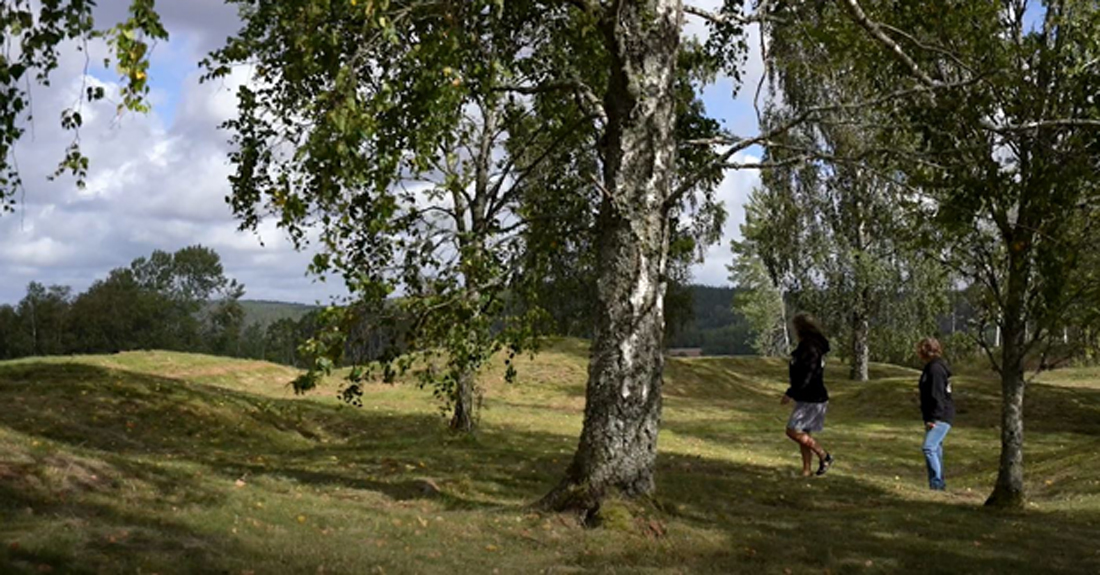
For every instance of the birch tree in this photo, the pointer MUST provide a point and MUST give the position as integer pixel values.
(1005, 160)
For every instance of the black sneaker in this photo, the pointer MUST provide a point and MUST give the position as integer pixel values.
(825, 464)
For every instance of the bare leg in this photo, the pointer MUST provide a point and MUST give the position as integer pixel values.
(807, 460)
(807, 442)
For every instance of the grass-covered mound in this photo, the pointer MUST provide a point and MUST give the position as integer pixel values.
(174, 463)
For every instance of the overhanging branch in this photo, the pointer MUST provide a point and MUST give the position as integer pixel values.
(727, 18)
(876, 31)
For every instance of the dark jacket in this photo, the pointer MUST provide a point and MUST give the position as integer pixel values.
(935, 392)
(807, 371)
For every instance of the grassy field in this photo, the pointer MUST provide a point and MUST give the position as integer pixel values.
(173, 463)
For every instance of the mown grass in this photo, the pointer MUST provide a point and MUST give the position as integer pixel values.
(158, 462)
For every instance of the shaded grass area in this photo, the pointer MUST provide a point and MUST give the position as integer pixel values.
(159, 462)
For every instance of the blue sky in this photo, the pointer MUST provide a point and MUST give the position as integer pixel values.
(158, 181)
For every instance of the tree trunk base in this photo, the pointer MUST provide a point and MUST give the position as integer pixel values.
(462, 422)
(572, 497)
(605, 508)
(1006, 499)
(464, 419)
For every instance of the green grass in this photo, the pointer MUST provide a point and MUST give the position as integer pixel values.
(156, 462)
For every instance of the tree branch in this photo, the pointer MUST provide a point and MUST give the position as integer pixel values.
(1039, 124)
(726, 18)
(771, 164)
(876, 31)
(954, 58)
(589, 99)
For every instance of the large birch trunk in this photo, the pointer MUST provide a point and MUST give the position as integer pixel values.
(618, 444)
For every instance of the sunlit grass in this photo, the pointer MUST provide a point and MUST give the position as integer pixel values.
(177, 463)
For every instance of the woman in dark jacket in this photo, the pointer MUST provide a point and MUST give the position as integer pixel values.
(937, 408)
(807, 390)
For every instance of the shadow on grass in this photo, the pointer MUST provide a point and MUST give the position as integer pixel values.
(135, 419)
(773, 521)
(765, 518)
(104, 537)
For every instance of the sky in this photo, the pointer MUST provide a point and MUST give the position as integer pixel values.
(158, 180)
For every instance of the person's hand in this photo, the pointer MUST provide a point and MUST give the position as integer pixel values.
(785, 400)
(930, 425)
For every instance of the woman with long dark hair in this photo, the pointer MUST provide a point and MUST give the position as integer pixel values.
(936, 406)
(807, 390)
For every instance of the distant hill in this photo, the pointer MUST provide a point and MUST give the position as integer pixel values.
(713, 326)
(267, 312)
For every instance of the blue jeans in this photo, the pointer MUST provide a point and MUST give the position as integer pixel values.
(933, 454)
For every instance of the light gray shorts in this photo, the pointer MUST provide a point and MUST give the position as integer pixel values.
(808, 416)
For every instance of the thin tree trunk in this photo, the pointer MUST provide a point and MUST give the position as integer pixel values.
(954, 314)
(861, 353)
(472, 236)
(463, 418)
(1009, 490)
(618, 444)
(786, 325)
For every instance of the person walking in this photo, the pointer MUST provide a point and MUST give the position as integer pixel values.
(807, 390)
(936, 406)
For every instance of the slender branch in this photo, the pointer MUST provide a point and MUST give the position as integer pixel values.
(736, 145)
(771, 164)
(954, 58)
(979, 338)
(726, 17)
(529, 168)
(1039, 124)
(545, 88)
(876, 31)
(589, 99)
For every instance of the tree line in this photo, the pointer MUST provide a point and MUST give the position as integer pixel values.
(176, 301)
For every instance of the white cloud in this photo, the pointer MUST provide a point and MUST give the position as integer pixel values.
(733, 192)
(737, 113)
(150, 186)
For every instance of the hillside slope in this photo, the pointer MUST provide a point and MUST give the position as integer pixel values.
(177, 463)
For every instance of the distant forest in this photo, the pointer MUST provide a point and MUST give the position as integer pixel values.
(711, 324)
(184, 301)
